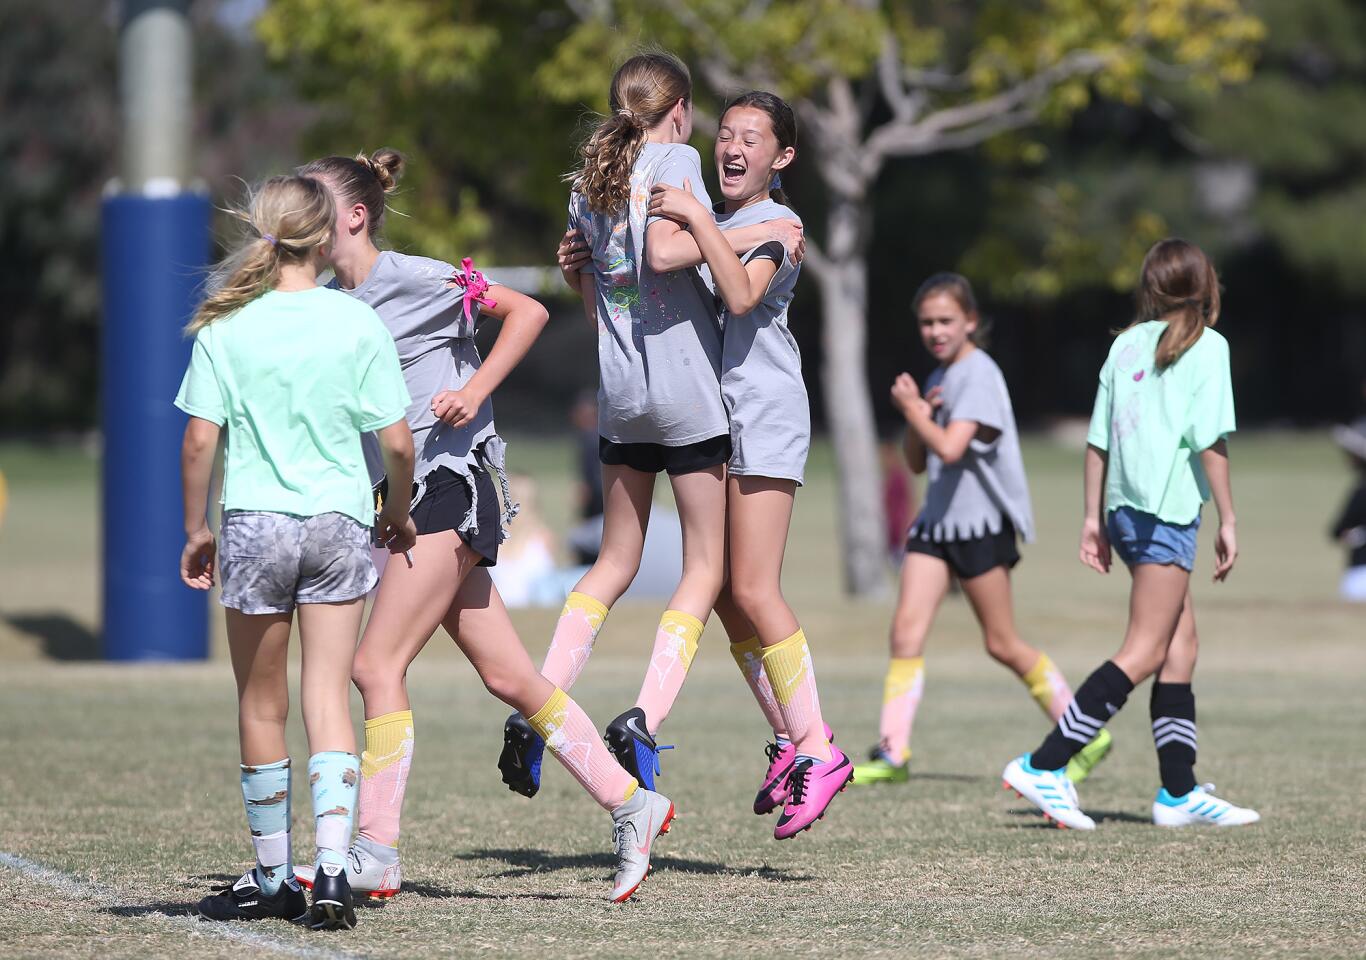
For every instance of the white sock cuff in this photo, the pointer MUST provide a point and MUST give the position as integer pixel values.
(272, 849)
(334, 833)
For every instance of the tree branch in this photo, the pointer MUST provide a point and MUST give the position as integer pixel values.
(970, 123)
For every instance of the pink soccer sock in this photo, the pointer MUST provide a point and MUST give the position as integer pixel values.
(572, 644)
(576, 743)
(675, 645)
(900, 698)
(749, 657)
(384, 775)
(793, 679)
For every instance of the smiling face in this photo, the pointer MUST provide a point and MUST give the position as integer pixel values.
(748, 154)
(945, 327)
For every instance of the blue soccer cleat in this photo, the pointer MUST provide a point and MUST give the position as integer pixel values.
(631, 743)
(520, 761)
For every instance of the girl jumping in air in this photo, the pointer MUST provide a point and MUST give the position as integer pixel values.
(430, 310)
(1155, 452)
(659, 400)
(293, 374)
(962, 431)
(770, 431)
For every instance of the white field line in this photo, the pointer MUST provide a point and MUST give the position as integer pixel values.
(236, 932)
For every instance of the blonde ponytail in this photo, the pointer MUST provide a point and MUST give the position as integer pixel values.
(644, 89)
(290, 218)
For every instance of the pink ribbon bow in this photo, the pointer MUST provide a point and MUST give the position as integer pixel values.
(475, 286)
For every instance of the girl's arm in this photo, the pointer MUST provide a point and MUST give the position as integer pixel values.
(675, 248)
(587, 292)
(913, 450)
(1215, 461)
(741, 286)
(571, 256)
(523, 320)
(1095, 543)
(197, 452)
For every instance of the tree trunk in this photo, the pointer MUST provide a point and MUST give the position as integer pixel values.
(843, 276)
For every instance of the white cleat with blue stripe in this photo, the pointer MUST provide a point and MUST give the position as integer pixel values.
(1199, 808)
(1049, 790)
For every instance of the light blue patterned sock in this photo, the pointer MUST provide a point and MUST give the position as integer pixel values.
(265, 793)
(334, 777)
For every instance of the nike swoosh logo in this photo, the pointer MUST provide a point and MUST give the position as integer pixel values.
(517, 762)
(631, 725)
(644, 851)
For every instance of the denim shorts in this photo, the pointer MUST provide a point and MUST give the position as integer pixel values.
(1140, 537)
(268, 562)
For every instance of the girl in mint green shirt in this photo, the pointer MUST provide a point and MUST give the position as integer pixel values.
(1156, 451)
(292, 375)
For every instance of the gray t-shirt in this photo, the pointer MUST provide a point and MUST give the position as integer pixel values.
(968, 499)
(426, 318)
(659, 340)
(761, 367)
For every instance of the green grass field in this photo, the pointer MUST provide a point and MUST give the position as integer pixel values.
(122, 781)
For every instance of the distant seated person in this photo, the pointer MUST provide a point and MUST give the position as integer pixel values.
(525, 573)
(1350, 528)
(585, 538)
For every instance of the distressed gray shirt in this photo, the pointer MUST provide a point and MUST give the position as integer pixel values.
(761, 367)
(659, 339)
(968, 499)
(426, 318)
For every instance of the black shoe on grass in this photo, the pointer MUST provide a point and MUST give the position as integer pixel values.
(333, 906)
(244, 900)
(520, 761)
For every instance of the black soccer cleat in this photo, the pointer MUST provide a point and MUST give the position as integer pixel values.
(520, 761)
(244, 900)
(333, 906)
(630, 742)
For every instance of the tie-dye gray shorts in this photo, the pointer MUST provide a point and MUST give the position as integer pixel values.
(271, 561)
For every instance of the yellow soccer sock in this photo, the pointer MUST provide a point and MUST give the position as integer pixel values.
(1047, 686)
(384, 775)
(900, 698)
(792, 677)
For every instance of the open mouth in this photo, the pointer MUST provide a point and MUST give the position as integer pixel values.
(732, 173)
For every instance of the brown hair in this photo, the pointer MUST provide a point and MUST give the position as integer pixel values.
(956, 286)
(780, 118)
(644, 90)
(287, 218)
(361, 179)
(1178, 284)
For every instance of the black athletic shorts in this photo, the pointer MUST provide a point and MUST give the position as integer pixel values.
(446, 504)
(656, 458)
(971, 558)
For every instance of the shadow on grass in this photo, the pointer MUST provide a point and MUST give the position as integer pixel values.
(526, 862)
(953, 777)
(1100, 816)
(165, 909)
(433, 892)
(62, 638)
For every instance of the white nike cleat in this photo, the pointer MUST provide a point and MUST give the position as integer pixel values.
(372, 869)
(1198, 808)
(638, 822)
(1049, 790)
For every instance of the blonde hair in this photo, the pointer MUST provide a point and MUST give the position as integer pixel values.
(1178, 284)
(288, 218)
(361, 179)
(644, 90)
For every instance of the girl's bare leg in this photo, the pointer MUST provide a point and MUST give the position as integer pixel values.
(1179, 667)
(479, 623)
(627, 495)
(924, 583)
(1155, 605)
(259, 646)
(409, 605)
(701, 499)
(759, 517)
(328, 634)
(991, 601)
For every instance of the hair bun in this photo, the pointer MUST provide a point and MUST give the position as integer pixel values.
(387, 165)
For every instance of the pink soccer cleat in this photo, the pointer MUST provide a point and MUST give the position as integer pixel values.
(811, 787)
(780, 759)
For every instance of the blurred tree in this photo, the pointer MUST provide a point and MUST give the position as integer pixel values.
(59, 125)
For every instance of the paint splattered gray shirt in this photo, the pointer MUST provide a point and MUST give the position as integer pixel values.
(968, 499)
(761, 367)
(659, 340)
(426, 318)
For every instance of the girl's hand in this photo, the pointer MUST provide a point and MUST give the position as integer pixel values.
(906, 395)
(1225, 551)
(792, 236)
(572, 253)
(197, 559)
(396, 528)
(456, 407)
(935, 397)
(1095, 546)
(676, 204)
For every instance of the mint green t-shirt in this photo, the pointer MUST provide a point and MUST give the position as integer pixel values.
(1155, 425)
(296, 377)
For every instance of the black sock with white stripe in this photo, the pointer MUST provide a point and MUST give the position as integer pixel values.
(1173, 712)
(1095, 702)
